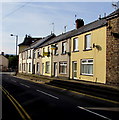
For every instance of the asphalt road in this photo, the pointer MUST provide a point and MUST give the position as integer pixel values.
(43, 102)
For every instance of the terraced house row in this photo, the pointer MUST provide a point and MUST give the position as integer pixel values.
(89, 52)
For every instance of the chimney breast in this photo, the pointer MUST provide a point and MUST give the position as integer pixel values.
(79, 23)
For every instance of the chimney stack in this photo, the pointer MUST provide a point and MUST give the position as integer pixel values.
(79, 23)
(2, 53)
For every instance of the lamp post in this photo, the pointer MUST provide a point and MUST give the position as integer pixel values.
(16, 41)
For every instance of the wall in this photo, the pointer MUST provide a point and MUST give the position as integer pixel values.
(112, 52)
(46, 59)
(62, 58)
(98, 37)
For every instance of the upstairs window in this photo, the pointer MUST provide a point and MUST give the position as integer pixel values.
(43, 51)
(38, 54)
(75, 44)
(64, 48)
(88, 42)
(56, 49)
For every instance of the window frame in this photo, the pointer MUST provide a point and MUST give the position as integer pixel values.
(86, 63)
(75, 49)
(64, 47)
(47, 68)
(63, 64)
(86, 43)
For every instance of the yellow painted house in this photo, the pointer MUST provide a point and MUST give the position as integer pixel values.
(88, 53)
(46, 60)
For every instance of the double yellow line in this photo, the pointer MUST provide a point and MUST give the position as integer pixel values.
(24, 115)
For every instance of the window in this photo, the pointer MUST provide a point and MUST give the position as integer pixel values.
(48, 52)
(87, 67)
(47, 67)
(29, 67)
(38, 54)
(43, 51)
(88, 42)
(63, 67)
(34, 54)
(29, 53)
(75, 44)
(56, 49)
(37, 67)
(64, 48)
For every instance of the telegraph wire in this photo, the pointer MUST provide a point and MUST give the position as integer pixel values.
(14, 11)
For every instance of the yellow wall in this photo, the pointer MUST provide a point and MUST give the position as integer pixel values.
(46, 59)
(98, 37)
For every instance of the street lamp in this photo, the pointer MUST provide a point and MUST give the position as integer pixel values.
(16, 41)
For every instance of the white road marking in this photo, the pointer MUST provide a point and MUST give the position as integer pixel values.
(47, 94)
(93, 112)
(13, 81)
(25, 85)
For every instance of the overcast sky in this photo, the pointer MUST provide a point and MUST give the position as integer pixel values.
(36, 18)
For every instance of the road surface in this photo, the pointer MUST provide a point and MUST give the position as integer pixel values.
(43, 102)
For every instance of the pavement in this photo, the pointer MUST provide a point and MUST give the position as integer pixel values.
(108, 92)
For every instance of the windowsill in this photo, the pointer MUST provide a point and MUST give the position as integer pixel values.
(63, 73)
(87, 74)
(47, 72)
(87, 49)
(75, 51)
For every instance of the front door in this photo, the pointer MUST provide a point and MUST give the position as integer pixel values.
(42, 68)
(74, 70)
(33, 68)
(55, 69)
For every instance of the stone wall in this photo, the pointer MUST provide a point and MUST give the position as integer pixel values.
(112, 52)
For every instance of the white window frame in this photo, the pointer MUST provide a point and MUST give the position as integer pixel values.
(88, 42)
(86, 62)
(56, 49)
(64, 64)
(64, 47)
(75, 44)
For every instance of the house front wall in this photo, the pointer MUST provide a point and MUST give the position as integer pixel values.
(3, 63)
(45, 60)
(60, 58)
(97, 53)
(37, 59)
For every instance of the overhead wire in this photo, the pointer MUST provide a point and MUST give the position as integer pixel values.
(14, 11)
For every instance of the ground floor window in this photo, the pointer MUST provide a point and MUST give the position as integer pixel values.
(47, 67)
(63, 67)
(87, 66)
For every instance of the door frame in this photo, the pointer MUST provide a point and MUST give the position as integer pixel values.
(74, 62)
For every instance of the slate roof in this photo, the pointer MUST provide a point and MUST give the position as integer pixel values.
(116, 12)
(40, 42)
(91, 26)
(51, 39)
(28, 40)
